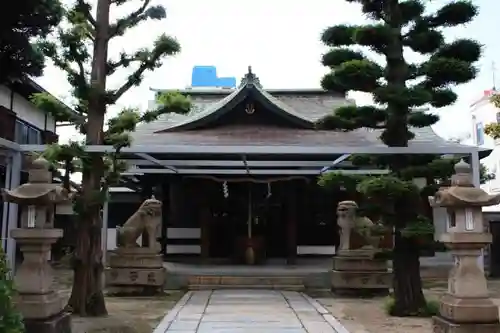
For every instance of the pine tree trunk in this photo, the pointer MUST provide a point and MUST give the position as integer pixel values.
(407, 283)
(87, 298)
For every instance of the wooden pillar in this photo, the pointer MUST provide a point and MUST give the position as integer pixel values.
(146, 193)
(205, 217)
(494, 249)
(292, 223)
(165, 220)
(175, 201)
(172, 203)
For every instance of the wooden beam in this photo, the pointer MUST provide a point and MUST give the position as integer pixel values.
(137, 171)
(237, 163)
(155, 161)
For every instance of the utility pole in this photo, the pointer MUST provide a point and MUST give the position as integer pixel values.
(493, 75)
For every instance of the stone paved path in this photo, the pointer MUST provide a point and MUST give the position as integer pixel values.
(248, 311)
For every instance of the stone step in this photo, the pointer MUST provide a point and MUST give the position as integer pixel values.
(237, 286)
(244, 282)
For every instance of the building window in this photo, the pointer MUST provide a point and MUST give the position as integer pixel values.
(26, 134)
(498, 117)
(34, 136)
(479, 134)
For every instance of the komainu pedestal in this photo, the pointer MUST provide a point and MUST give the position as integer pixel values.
(134, 269)
(357, 272)
(466, 307)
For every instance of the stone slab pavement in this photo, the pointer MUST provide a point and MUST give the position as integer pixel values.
(248, 311)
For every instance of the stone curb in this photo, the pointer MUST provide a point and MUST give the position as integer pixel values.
(334, 323)
(172, 314)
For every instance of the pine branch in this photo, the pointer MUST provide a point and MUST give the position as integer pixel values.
(66, 181)
(163, 46)
(133, 79)
(84, 8)
(143, 13)
(131, 20)
(126, 60)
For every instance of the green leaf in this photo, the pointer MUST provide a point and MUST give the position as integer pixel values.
(358, 75)
(411, 10)
(338, 35)
(444, 71)
(331, 83)
(466, 50)
(424, 41)
(376, 36)
(24, 23)
(422, 119)
(455, 13)
(173, 102)
(336, 180)
(156, 12)
(337, 57)
(402, 96)
(420, 227)
(51, 105)
(443, 97)
(492, 130)
(495, 99)
(10, 319)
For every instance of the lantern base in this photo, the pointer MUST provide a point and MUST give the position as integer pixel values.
(60, 323)
(468, 310)
(441, 325)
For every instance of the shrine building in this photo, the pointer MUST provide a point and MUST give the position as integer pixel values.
(242, 167)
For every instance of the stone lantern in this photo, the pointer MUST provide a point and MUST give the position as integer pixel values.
(466, 306)
(40, 305)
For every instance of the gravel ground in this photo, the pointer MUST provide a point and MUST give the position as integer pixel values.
(368, 316)
(126, 314)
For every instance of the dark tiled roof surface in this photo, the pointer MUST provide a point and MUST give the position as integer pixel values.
(308, 106)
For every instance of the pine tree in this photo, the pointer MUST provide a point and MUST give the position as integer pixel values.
(399, 88)
(22, 23)
(81, 50)
(10, 319)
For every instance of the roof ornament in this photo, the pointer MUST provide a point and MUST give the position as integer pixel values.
(250, 79)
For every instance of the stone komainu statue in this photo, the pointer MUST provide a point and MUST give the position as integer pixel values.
(348, 221)
(146, 221)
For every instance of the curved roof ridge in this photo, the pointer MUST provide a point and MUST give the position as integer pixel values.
(212, 108)
(249, 84)
(285, 107)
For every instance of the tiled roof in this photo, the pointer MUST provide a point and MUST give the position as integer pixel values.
(303, 107)
(308, 106)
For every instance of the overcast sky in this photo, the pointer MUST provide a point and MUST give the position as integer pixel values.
(279, 39)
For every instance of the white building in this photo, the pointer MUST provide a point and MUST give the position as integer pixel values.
(23, 123)
(483, 112)
(20, 120)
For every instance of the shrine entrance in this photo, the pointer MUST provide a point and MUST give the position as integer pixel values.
(249, 214)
